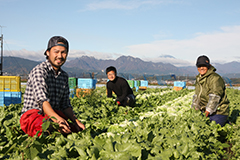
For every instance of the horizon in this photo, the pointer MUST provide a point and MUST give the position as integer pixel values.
(226, 70)
(116, 59)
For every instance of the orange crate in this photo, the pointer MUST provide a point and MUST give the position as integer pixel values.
(80, 92)
(142, 87)
(177, 88)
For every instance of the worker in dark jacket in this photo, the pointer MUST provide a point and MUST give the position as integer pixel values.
(120, 87)
(210, 94)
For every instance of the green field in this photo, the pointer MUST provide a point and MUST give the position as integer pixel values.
(161, 126)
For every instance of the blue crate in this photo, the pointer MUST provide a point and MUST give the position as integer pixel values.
(137, 83)
(179, 84)
(87, 83)
(7, 98)
(72, 92)
(143, 83)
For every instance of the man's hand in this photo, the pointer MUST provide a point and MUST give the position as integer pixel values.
(79, 126)
(63, 126)
(207, 113)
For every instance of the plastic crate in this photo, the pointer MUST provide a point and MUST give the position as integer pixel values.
(72, 92)
(80, 92)
(142, 87)
(177, 88)
(136, 83)
(143, 83)
(10, 84)
(72, 82)
(131, 83)
(179, 84)
(7, 98)
(86, 83)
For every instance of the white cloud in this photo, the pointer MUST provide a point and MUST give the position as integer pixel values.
(98, 55)
(162, 35)
(219, 46)
(237, 57)
(73, 54)
(110, 5)
(123, 5)
(32, 55)
(173, 61)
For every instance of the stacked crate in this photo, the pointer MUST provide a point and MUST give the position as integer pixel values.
(143, 85)
(10, 90)
(136, 84)
(72, 82)
(179, 85)
(85, 86)
(131, 83)
(81, 92)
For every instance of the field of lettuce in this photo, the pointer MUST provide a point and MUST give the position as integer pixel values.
(162, 125)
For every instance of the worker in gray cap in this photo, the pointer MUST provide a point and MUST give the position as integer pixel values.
(47, 93)
(210, 95)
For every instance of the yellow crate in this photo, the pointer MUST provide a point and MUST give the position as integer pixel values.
(10, 84)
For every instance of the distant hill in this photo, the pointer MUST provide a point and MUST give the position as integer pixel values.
(227, 68)
(230, 69)
(18, 66)
(124, 64)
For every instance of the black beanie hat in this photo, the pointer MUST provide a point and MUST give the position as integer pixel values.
(111, 68)
(203, 61)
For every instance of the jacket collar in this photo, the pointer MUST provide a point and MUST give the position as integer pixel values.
(210, 71)
(51, 68)
(202, 79)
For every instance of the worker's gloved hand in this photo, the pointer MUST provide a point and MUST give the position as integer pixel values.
(128, 99)
(118, 103)
(207, 113)
(213, 103)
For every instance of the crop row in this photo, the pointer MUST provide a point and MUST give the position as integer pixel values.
(161, 126)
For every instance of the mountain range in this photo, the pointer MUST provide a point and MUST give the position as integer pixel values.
(124, 64)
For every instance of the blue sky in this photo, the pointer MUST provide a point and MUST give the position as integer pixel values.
(107, 29)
